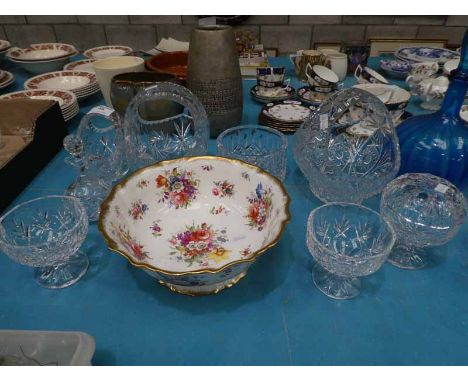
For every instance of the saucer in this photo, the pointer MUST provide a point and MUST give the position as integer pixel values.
(310, 97)
(263, 95)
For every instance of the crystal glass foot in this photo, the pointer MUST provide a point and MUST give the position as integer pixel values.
(340, 288)
(46, 233)
(347, 241)
(424, 211)
(406, 257)
(63, 275)
(258, 145)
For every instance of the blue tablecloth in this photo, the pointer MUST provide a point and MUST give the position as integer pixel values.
(275, 316)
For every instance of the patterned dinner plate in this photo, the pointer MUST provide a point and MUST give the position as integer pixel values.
(42, 52)
(421, 54)
(72, 80)
(107, 51)
(287, 111)
(6, 79)
(66, 99)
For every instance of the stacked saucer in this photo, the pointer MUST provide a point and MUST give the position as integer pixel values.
(4, 46)
(66, 99)
(264, 95)
(83, 84)
(286, 116)
(6, 79)
(86, 65)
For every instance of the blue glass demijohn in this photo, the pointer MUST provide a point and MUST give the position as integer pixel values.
(438, 143)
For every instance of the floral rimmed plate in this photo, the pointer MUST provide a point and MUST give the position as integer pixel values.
(42, 52)
(287, 111)
(64, 80)
(6, 79)
(195, 223)
(100, 52)
(262, 94)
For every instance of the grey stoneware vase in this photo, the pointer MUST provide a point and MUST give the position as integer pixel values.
(214, 75)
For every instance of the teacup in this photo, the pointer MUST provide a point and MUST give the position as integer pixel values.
(336, 61)
(321, 76)
(107, 68)
(304, 57)
(270, 77)
(432, 92)
(422, 70)
(366, 75)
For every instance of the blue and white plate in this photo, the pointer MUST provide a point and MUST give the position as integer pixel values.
(422, 53)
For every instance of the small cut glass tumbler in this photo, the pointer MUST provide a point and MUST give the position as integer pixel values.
(258, 145)
(46, 233)
(347, 241)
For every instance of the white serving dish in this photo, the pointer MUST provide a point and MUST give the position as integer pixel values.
(86, 65)
(39, 67)
(42, 52)
(34, 348)
(196, 224)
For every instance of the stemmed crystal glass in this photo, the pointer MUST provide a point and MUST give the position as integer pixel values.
(46, 233)
(347, 241)
(259, 145)
(424, 210)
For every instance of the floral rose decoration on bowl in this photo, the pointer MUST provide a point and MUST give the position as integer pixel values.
(196, 224)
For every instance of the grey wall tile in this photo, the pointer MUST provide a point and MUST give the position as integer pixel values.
(287, 38)
(457, 20)
(314, 19)
(190, 19)
(82, 36)
(264, 20)
(114, 19)
(391, 31)
(366, 20)
(171, 19)
(454, 35)
(137, 36)
(23, 35)
(338, 33)
(53, 19)
(420, 20)
(178, 32)
(12, 20)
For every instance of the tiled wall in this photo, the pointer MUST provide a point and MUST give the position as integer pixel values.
(287, 33)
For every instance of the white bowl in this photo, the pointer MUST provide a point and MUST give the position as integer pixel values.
(39, 67)
(196, 224)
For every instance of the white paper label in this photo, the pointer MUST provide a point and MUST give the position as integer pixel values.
(101, 109)
(442, 188)
(323, 121)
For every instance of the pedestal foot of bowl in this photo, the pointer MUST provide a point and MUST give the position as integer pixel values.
(407, 257)
(205, 289)
(340, 288)
(63, 275)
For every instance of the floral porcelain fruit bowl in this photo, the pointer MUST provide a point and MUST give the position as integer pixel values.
(196, 224)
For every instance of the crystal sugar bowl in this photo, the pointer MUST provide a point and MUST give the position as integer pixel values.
(424, 210)
(149, 141)
(348, 149)
(46, 233)
(347, 241)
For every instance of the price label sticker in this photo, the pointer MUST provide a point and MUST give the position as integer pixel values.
(442, 188)
(323, 121)
(101, 109)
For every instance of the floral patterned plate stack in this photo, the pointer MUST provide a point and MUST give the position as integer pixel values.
(196, 224)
